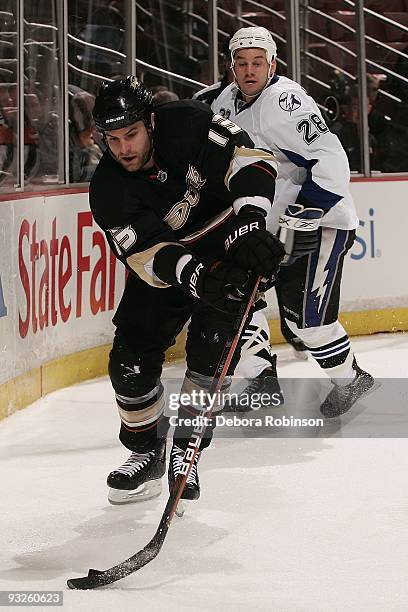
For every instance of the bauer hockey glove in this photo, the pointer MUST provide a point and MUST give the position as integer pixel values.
(299, 231)
(251, 247)
(216, 283)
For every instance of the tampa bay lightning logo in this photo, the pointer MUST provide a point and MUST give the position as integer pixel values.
(289, 102)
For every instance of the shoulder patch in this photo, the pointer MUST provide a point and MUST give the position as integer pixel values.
(289, 101)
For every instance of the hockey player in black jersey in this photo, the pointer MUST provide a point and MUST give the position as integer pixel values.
(182, 196)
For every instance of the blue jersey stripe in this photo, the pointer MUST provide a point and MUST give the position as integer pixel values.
(310, 190)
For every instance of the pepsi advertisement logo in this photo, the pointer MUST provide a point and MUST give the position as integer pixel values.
(365, 244)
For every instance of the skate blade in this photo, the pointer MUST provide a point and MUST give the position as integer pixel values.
(147, 490)
(181, 508)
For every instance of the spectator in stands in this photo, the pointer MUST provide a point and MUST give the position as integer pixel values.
(7, 137)
(109, 13)
(399, 88)
(84, 152)
(8, 132)
(210, 93)
(347, 124)
(32, 123)
(161, 95)
(388, 140)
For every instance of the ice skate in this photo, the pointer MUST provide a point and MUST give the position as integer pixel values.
(192, 488)
(341, 398)
(139, 478)
(266, 383)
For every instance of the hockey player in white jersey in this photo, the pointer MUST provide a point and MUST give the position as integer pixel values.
(259, 324)
(313, 213)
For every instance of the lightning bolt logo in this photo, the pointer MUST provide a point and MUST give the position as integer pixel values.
(320, 287)
(324, 266)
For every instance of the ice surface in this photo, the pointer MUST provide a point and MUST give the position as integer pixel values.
(288, 525)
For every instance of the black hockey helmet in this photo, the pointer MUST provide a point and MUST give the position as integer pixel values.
(121, 103)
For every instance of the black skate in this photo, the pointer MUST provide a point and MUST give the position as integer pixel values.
(139, 477)
(192, 488)
(342, 398)
(266, 383)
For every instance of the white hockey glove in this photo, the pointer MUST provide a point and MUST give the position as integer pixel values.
(299, 231)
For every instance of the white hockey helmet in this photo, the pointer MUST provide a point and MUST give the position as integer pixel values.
(254, 36)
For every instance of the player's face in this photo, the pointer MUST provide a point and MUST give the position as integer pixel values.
(131, 146)
(252, 70)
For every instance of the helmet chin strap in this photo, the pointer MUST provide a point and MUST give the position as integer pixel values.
(268, 80)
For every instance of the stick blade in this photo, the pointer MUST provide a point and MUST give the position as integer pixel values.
(94, 579)
(98, 578)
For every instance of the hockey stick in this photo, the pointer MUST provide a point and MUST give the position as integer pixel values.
(97, 578)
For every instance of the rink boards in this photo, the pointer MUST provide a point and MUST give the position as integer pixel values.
(60, 284)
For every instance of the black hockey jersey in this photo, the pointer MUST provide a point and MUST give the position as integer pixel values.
(211, 92)
(203, 164)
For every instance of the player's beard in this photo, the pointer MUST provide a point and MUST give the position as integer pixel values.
(149, 155)
(141, 159)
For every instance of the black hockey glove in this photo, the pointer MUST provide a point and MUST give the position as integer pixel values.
(299, 231)
(251, 247)
(216, 283)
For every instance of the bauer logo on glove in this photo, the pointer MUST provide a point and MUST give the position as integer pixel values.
(240, 231)
(194, 279)
(251, 247)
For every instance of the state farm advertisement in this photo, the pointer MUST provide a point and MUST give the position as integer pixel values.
(60, 282)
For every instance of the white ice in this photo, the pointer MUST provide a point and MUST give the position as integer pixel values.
(283, 524)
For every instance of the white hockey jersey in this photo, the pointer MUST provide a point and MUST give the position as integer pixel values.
(313, 169)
